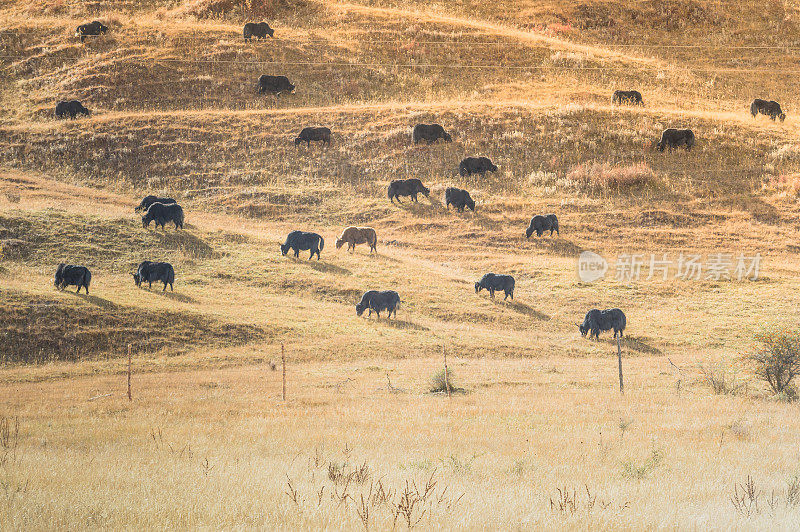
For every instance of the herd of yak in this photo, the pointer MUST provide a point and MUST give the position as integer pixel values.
(166, 210)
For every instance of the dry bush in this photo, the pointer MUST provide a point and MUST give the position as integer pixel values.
(605, 176)
(721, 379)
(777, 361)
(438, 383)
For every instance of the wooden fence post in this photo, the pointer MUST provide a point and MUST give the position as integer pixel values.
(130, 396)
(446, 376)
(619, 359)
(283, 363)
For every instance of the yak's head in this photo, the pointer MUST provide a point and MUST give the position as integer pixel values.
(270, 32)
(291, 88)
(493, 168)
(360, 309)
(339, 243)
(425, 191)
(448, 138)
(529, 231)
(470, 203)
(297, 141)
(478, 287)
(284, 249)
(137, 279)
(782, 117)
(145, 221)
(583, 329)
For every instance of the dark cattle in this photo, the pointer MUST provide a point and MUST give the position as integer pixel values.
(314, 133)
(300, 240)
(674, 138)
(632, 97)
(71, 108)
(91, 29)
(492, 282)
(476, 165)
(162, 214)
(603, 320)
(69, 275)
(378, 301)
(147, 272)
(149, 200)
(540, 224)
(407, 187)
(274, 84)
(430, 133)
(259, 30)
(770, 108)
(459, 199)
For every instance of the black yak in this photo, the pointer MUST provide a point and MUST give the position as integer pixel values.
(632, 97)
(770, 108)
(476, 165)
(91, 29)
(313, 133)
(72, 108)
(492, 282)
(162, 214)
(603, 320)
(300, 240)
(459, 199)
(69, 275)
(259, 30)
(540, 224)
(149, 200)
(274, 85)
(147, 272)
(377, 302)
(407, 187)
(430, 133)
(674, 138)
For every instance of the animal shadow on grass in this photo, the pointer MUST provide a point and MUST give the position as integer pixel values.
(559, 246)
(402, 324)
(183, 298)
(420, 209)
(97, 301)
(522, 308)
(186, 242)
(327, 267)
(634, 344)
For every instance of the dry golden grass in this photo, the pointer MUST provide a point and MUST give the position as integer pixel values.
(541, 439)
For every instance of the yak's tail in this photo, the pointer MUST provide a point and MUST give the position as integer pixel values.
(87, 278)
(321, 243)
(171, 275)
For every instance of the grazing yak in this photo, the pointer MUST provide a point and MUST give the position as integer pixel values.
(147, 272)
(162, 214)
(149, 200)
(631, 97)
(603, 320)
(300, 240)
(430, 133)
(72, 108)
(377, 301)
(358, 235)
(314, 133)
(93, 28)
(770, 108)
(259, 30)
(492, 282)
(674, 138)
(459, 199)
(476, 165)
(69, 275)
(540, 224)
(274, 85)
(407, 187)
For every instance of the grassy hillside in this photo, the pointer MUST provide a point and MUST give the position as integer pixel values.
(175, 111)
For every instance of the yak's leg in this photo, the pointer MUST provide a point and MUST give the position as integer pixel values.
(165, 287)
(78, 291)
(491, 292)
